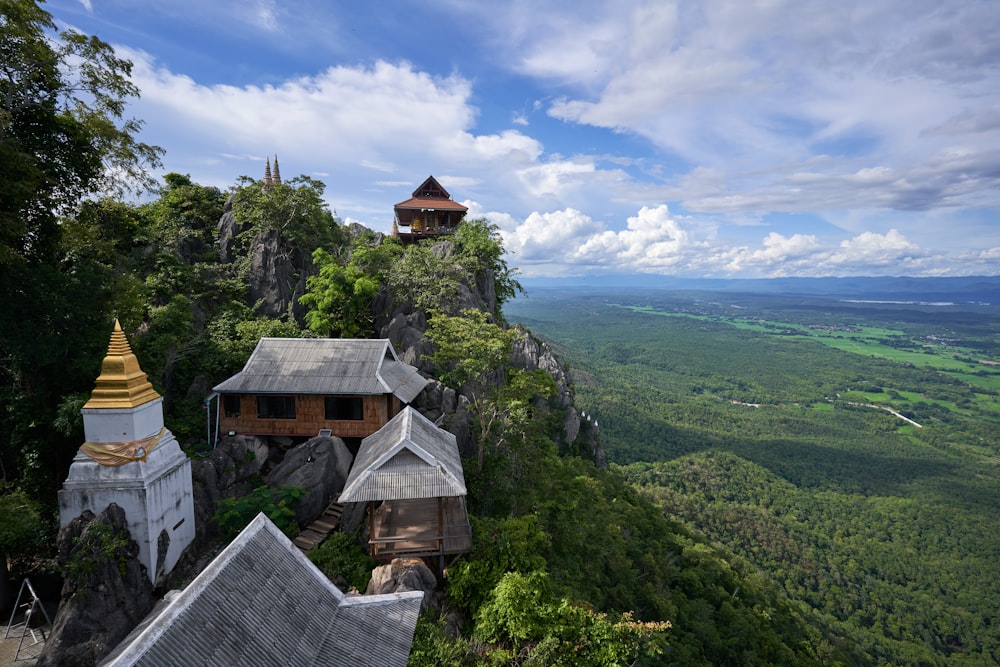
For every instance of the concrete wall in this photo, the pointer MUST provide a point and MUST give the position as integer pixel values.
(156, 495)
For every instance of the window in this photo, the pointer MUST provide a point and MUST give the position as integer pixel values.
(344, 407)
(275, 407)
(231, 405)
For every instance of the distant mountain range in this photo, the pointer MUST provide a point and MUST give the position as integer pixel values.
(963, 289)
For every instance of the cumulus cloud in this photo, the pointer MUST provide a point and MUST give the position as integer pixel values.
(879, 121)
(798, 104)
(569, 242)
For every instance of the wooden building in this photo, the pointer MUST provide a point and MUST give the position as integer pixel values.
(429, 213)
(410, 474)
(301, 386)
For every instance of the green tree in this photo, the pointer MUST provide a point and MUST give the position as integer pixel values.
(294, 210)
(530, 626)
(480, 250)
(235, 514)
(470, 354)
(63, 138)
(62, 132)
(340, 299)
(24, 530)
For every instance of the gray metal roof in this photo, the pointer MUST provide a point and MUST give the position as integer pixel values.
(261, 602)
(325, 366)
(407, 458)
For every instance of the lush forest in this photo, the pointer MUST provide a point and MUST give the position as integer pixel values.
(846, 450)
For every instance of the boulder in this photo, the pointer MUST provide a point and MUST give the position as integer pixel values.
(320, 466)
(237, 460)
(401, 575)
(229, 471)
(106, 592)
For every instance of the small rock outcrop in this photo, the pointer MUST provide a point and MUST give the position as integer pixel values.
(401, 575)
(319, 465)
(228, 231)
(106, 592)
(229, 471)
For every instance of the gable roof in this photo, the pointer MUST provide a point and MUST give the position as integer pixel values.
(325, 366)
(430, 194)
(262, 602)
(407, 458)
(431, 188)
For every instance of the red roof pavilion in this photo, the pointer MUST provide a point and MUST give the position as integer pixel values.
(429, 213)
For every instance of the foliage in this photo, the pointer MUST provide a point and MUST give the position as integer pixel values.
(500, 545)
(434, 647)
(98, 543)
(480, 250)
(294, 210)
(234, 514)
(62, 135)
(63, 138)
(425, 278)
(745, 422)
(25, 532)
(340, 557)
(535, 628)
(471, 354)
(340, 299)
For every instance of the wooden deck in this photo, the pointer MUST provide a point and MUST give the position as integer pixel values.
(421, 527)
(321, 528)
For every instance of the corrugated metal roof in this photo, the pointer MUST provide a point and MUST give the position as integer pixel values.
(325, 366)
(407, 458)
(261, 602)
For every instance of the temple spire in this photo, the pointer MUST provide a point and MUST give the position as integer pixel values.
(121, 384)
(277, 172)
(267, 173)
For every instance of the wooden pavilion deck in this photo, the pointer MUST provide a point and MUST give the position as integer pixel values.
(420, 527)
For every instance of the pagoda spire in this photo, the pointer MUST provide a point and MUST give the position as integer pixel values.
(267, 172)
(121, 384)
(277, 172)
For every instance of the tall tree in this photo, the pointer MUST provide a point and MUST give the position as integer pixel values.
(63, 138)
(63, 134)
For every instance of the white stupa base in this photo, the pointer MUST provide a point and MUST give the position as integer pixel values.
(156, 495)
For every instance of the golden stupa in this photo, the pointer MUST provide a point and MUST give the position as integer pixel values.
(121, 384)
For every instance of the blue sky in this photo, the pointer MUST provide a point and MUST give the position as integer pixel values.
(717, 138)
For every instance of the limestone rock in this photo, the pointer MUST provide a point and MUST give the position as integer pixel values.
(320, 466)
(275, 274)
(228, 231)
(105, 595)
(401, 575)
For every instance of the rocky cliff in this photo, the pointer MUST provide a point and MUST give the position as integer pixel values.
(405, 327)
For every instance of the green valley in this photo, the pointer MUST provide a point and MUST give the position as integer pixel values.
(847, 450)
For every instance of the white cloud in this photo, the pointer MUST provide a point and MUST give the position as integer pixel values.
(798, 104)
(873, 118)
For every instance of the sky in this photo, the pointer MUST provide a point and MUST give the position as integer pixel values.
(709, 138)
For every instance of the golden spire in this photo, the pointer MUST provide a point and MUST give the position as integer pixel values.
(121, 384)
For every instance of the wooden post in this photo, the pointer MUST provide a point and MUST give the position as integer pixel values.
(440, 524)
